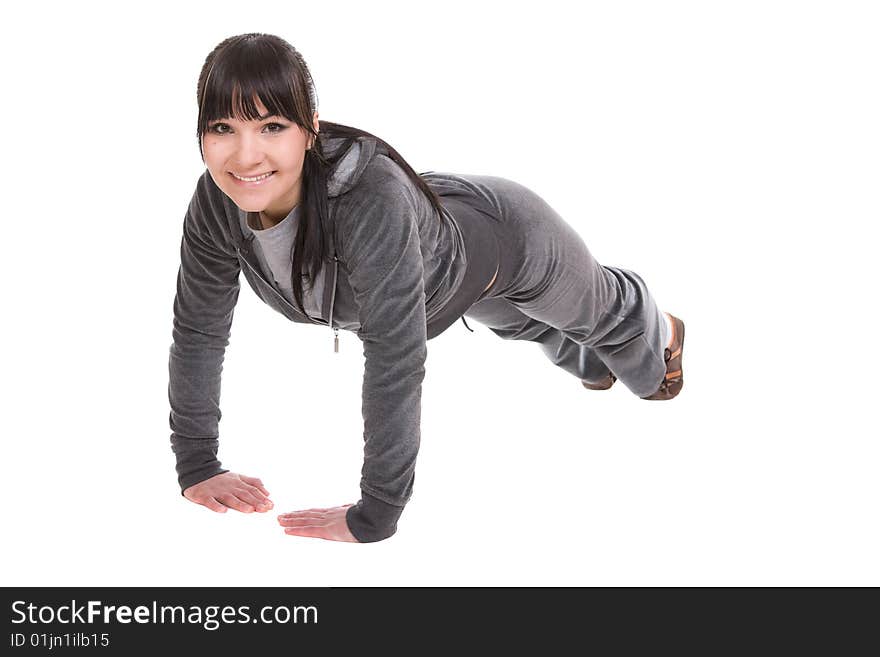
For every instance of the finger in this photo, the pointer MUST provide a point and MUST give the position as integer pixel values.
(230, 500)
(312, 513)
(303, 514)
(331, 513)
(254, 481)
(292, 521)
(304, 521)
(310, 531)
(253, 497)
(316, 510)
(214, 505)
(308, 522)
(256, 491)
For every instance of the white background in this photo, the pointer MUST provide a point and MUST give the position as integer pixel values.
(725, 151)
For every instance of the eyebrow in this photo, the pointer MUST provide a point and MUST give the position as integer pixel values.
(259, 118)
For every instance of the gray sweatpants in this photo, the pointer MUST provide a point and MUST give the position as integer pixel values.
(588, 318)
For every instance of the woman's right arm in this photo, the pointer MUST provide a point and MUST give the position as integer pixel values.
(207, 291)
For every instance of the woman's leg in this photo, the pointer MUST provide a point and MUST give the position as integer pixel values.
(552, 291)
(507, 321)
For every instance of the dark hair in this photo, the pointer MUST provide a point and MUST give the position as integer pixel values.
(267, 67)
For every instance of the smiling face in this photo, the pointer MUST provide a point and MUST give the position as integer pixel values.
(273, 145)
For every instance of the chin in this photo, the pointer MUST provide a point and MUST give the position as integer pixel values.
(247, 200)
(250, 206)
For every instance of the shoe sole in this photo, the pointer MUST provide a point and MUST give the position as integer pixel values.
(604, 385)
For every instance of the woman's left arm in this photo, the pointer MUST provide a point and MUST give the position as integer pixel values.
(378, 232)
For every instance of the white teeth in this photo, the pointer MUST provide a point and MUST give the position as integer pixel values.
(265, 175)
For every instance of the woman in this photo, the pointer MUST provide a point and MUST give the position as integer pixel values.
(391, 254)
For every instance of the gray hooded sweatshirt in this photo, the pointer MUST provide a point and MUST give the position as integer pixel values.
(401, 275)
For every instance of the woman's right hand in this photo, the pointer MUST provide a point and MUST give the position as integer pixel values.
(229, 490)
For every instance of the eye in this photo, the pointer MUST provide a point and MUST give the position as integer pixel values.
(215, 128)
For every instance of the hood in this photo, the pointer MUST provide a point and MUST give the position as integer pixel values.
(350, 166)
(354, 156)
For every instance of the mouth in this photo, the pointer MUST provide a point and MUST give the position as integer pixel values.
(252, 181)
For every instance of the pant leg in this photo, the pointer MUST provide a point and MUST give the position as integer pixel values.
(507, 321)
(588, 318)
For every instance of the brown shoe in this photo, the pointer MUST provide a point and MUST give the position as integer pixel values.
(604, 384)
(674, 380)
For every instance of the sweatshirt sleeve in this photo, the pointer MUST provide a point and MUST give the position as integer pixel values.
(380, 247)
(207, 291)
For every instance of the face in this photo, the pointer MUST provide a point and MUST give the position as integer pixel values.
(272, 145)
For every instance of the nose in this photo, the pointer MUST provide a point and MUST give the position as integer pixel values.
(248, 153)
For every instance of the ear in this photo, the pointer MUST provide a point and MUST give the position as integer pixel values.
(315, 125)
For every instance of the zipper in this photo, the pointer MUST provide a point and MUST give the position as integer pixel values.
(277, 293)
(332, 299)
(294, 308)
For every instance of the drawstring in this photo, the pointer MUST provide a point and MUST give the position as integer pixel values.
(466, 325)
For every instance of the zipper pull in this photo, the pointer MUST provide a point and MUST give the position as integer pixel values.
(336, 340)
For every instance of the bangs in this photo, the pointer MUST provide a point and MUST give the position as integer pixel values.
(250, 70)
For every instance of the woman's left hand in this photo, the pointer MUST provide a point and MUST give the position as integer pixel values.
(327, 523)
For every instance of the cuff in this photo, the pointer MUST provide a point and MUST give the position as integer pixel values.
(196, 465)
(372, 520)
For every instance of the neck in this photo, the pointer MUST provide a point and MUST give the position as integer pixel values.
(273, 215)
(266, 222)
